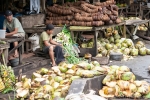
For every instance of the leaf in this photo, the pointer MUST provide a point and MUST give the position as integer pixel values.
(147, 96)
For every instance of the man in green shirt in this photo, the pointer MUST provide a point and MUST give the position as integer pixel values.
(14, 27)
(49, 46)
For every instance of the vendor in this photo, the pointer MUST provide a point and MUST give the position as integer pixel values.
(49, 46)
(14, 27)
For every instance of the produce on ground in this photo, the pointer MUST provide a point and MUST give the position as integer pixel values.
(7, 79)
(81, 13)
(114, 43)
(120, 82)
(47, 84)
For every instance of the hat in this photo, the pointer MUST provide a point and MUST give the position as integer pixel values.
(49, 27)
(8, 13)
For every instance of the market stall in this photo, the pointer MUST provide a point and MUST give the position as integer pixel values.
(94, 50)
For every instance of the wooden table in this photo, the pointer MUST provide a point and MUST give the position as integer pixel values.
(134, 24)
(145, 15)
(4, 49)
(96, 30)
(20, 47)
(120, 10)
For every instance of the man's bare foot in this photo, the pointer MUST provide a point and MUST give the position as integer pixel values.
(54, 64)
(16, 55)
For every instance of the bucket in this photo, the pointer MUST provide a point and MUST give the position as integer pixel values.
(14, 62)
(2, 34)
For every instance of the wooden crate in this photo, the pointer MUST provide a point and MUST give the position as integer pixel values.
(28, 21)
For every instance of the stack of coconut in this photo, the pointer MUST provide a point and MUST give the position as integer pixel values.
(81, 13)
(120, 82)
(114, 43)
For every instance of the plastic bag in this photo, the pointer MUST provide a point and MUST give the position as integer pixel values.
(36, 38)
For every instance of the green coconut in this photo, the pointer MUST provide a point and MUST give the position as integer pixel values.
(83, 45)
(118, 45)
(108, 46)
(75, 77)
(124, 44)
(148, 51)
(128, 42)
(104, 52)
(126, 51)
(111, 39)
(134, 52)
(126, 76)
(117, 41)
(63, 69)
(142, 51)
(138, 46)
(43, 71)
(58, 79)
(117, 36)
(90, 44)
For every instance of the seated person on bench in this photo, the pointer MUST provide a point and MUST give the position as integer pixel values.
(14, 27)
(49, 46)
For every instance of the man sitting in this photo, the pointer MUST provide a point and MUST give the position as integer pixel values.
(14, 26)
(49, 46)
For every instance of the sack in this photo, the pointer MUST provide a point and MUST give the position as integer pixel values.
(35, 43)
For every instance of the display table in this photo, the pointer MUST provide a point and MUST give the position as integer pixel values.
(20, 45)
(134, 24)
(143, 14)
(93, 51)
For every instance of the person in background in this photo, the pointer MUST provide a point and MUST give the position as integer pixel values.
(49, 46)
(14, 26)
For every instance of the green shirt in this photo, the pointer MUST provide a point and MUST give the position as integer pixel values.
(14, 24)
(44, 37)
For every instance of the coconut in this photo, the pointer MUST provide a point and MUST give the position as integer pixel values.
(56, 94)
(124, 85)
(58, 79)
(104, 52)
(43, 71)
(108, 78)
(70, 71)
(141, 43)
(137, 95)
(111, 39)
(142, 51)
(87, 74)
(99, 55)
(101, 93)
(75, 77)
(124, 45)
(108, 46)
(100, 69)
(90, 44)
(126, 76)
(117, 41)
(95, 63)
(83, 45)
(111, 84)
(48, 89)
(22, 93)
(63, 69)
(118, 45)
(134, 52)
(117, 36)
(126, 51)
(124, 69)
(138, 46)
(132, 87)
(148, 51)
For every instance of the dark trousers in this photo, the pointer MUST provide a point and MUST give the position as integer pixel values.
(58, 53)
